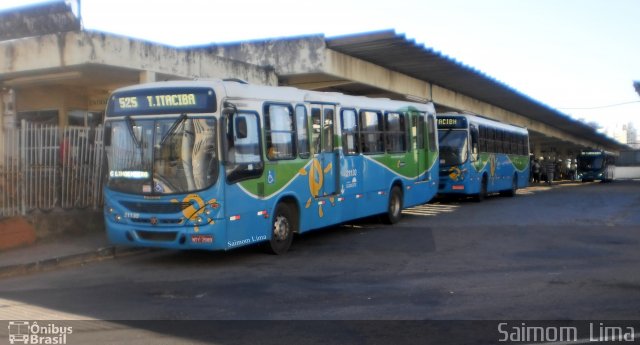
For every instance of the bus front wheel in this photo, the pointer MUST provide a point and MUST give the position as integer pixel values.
(394, 209)
(282, 229)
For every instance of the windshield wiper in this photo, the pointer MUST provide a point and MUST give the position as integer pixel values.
(440, 138)
(130, 125)
(173, 127)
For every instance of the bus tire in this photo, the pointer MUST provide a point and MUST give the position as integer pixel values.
(283, 225)
(483, 190)
(394, 207)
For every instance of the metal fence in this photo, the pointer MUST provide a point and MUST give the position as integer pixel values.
(46, 167)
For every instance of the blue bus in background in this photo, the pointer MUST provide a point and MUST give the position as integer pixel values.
(596, 165)
(219, 165)
(479, 156)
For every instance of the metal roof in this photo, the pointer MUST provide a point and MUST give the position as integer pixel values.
(396, 52)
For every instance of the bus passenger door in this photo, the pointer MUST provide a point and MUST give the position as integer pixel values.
(418, 142)
(326, 172)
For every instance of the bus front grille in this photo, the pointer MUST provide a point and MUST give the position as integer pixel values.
(164, 236)
(158, 221)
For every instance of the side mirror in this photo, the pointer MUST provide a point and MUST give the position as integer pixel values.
(229, 109)
(106, 139)
(240, 124)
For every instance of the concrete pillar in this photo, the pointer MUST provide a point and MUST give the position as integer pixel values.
(7, 115)
(8, 108)
(147, 77)
(536, 150)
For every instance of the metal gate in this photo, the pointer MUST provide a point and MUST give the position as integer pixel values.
(46, 167)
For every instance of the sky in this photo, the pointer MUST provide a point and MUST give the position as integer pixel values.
(578, 56)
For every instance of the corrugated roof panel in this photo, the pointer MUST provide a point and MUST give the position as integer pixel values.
(396, 52)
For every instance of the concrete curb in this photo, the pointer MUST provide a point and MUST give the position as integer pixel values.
(105, 253)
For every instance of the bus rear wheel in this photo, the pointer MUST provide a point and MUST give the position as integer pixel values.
(282, 228)
(394, 208)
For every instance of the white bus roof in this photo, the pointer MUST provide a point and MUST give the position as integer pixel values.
(236, 89)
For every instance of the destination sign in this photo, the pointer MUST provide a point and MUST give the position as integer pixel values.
(452, 122)
(162, 101)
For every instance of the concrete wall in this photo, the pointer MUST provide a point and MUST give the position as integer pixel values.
(54, 51)
(286, 56)
(58, 71)
(625, 173)
(38, 19)
(61, 98)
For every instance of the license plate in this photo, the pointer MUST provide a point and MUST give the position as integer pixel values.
(202, 239)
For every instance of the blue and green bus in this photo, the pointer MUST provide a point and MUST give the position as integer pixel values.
(595, 165)
(479, 156)
(223, 164)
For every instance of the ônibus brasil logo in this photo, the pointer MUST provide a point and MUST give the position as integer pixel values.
(25, 332)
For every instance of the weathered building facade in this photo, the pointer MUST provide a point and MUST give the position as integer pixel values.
(52, 72)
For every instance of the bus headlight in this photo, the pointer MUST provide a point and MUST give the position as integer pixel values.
(112, 211)
(196, 220)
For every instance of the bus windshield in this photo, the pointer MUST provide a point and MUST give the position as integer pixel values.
(590, 163)
(161, 156)
(453, 146)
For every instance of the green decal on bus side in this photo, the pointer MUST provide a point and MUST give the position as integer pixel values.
(519, 162)
(483, 159)
(284, 172)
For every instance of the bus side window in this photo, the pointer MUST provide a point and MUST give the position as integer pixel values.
(482, 140)
(474, 142)
(349, 132)
(327, 130)
(243, 155)
(279, 131)
(396, 133)
(419, 130)
(303, 134)
(315, 130)
(371, 132)
(431, 132)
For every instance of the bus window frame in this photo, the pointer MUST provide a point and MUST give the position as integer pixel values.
(431, 133)
(354, 133)
(304, 129)
(380, 132)
(474, 145)
(230, 174)
(402, 121)
(267, 131)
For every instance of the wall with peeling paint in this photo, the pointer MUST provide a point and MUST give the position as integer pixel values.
(38, 19)
(287, 56)
(85, 47)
